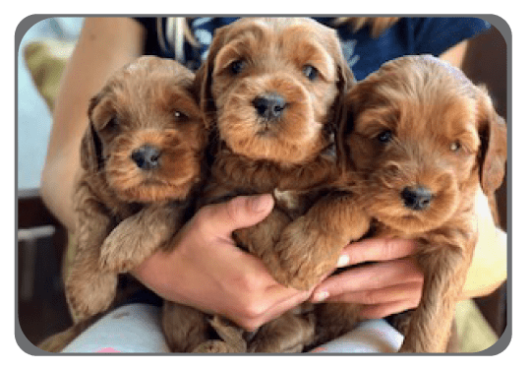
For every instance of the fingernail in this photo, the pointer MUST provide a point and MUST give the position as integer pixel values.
(320, 296)
(260, 203)
(343, 260)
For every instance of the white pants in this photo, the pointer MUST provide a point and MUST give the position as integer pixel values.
(135, 328)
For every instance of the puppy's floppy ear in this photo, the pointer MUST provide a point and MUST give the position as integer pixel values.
(91, 147)
(345, 81)
(493, 151)
(346, 78)
(346, 125)
(204, 75)
(358, 98)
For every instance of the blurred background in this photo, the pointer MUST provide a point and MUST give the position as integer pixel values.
(41, 306)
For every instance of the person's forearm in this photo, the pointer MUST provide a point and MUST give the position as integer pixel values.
(57, 186)
(104, 45)
(456, 54)
(489, 265)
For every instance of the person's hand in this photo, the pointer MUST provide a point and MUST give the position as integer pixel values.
(391, 285)
(207, 271)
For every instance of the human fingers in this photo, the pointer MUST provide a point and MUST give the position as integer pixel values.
(376, 249)
(369, 277)
(257, 317)
(222, 219)
(239, 287)
(410, 291)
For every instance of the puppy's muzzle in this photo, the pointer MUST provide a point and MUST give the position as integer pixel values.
(146, 157)
(417, 198)
(270, 106)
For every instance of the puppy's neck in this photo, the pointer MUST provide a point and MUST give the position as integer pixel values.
(263, 176)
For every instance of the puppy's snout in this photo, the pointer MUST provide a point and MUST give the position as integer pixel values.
(417, 198)
(146, 157)
(270, 106)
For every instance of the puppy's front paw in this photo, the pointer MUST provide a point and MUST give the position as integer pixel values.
(121, 252)
(115, 255)
(305, 256)
(90, 295)
(216, 347)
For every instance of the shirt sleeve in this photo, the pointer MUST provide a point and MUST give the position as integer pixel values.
(153, 44)
(409, 36)
(436, 35)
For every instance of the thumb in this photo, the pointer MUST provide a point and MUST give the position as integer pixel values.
(239, 212)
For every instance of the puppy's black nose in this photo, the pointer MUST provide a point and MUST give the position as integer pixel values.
(146, 157)
(417, 198)
(270, 106)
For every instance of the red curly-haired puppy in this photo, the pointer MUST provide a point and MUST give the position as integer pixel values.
(141, 157)
(417, 140)
(270, 90)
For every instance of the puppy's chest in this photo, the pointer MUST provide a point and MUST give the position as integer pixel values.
(295, 202)
(287, 200)
(125, 210)
(453, 234)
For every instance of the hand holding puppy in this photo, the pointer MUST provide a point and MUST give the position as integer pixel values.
(391, 285)
(208, 272)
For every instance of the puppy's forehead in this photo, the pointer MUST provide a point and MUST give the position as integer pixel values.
(425, 74)
(140, 94)
(282, 29)
(271, 42)
(279, 24)
(419, 95)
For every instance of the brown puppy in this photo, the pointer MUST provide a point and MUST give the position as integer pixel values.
(270, 90)
(417, 139)
(141, 157)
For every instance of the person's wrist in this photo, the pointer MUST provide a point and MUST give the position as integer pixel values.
(153, 274)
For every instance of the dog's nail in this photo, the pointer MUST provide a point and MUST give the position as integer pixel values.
(320, 296)
(343, 261)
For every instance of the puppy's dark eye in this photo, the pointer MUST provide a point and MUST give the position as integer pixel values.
(455, 146)
(385, 136)
(179, 116)
(112, 125)
(236, 67)
(310, 72)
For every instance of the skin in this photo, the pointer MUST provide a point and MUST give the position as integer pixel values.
(206, 270)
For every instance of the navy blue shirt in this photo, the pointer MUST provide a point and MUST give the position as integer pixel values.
(364, 54)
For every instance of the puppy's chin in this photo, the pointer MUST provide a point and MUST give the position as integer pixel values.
(294, 137)
(154, 191)
(383, 200)
(270, 145)
(131, 185)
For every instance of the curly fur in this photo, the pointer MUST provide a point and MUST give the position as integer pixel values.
(291, 156)
(125, 211)
(416, 122)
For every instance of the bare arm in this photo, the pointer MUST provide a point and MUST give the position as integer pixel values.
(456, 54)
(488, 269)
(105, 44)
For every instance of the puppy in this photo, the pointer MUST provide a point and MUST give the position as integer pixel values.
(417, 139)
(142, 160)
(270, 91)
